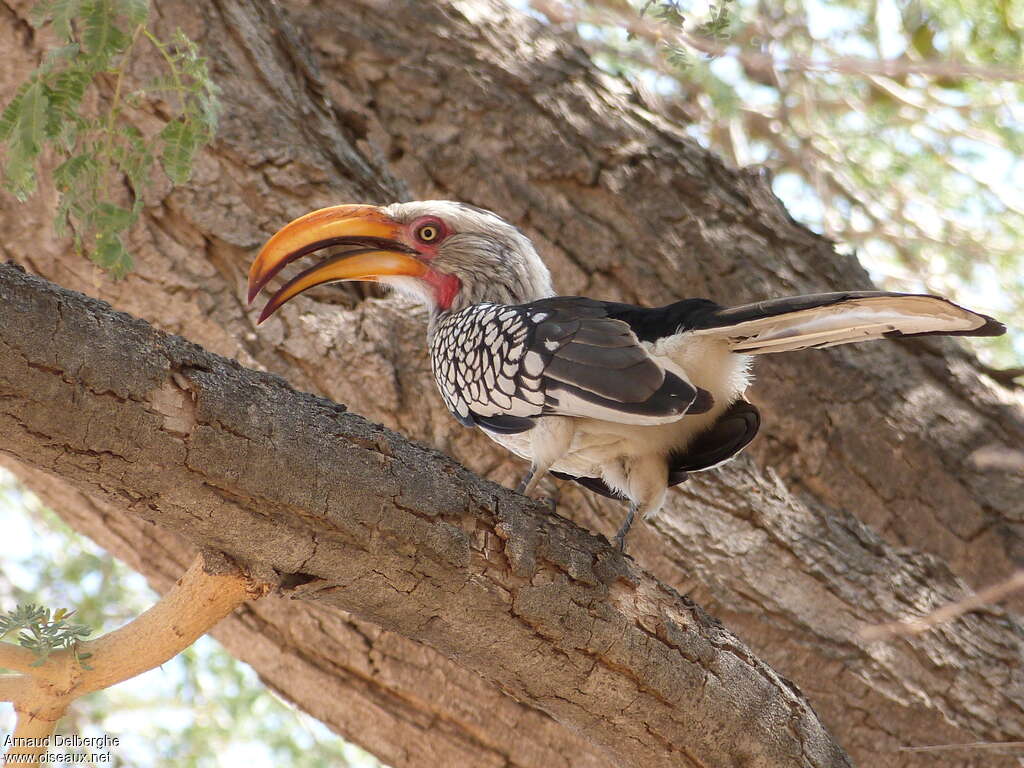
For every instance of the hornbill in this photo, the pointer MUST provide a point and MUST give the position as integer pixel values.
(625, 400)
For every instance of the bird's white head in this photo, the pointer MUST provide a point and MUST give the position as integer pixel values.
(448, 255)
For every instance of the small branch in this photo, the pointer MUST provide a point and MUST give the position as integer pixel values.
(17, 659)
(31, 734)
(655, 31)
(197, 602)
(915, 626)
(1008, 377)
(998, 458)
(972, 745)
(12, 686)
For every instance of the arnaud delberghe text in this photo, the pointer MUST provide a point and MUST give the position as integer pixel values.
(58, 740)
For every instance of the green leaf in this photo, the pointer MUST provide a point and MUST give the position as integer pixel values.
(31, 129)
(71, 170)
(180, 142)
(60, 219)
(62, 55)
(112, 218)
(68, 89)
(102, 37)
(25, 137)
(65, 96)
(136, 11)
(58, 12)
(111, 254)
(135, 160)
(12, 113)
(39, 632)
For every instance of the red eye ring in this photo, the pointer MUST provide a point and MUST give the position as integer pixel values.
(430, 230)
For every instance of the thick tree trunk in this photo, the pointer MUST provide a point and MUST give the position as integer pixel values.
(859, 502)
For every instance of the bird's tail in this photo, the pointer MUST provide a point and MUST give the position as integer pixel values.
(827, 319)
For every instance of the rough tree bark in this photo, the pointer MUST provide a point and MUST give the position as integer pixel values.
(858, 503)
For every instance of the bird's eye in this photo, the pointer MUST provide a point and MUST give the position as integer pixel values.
(430, 231)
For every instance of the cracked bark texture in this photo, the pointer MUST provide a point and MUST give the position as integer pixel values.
(858, 503)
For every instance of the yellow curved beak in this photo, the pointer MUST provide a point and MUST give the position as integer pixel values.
(374, 236)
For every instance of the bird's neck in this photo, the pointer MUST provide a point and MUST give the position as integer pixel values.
(439, 316)
(504, 287)
(498, 294)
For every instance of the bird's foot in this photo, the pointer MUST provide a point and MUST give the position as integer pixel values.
(551, 502)
(530, 486)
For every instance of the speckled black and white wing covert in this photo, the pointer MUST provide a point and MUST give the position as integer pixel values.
(500, 367)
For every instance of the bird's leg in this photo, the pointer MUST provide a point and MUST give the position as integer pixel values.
(646, 482)
(527, 485)
(550, 441)
(552, 499)
(527, 481)
(619, 541)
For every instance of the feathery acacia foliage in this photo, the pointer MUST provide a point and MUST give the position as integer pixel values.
(97, 40)
(43, 633)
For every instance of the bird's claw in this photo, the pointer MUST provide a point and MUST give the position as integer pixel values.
(551, 502)
(524, 487)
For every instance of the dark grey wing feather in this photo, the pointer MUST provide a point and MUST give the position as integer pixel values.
(605, 332)
(505, 425)
(595, 484)
(594, 366)
(723, 440)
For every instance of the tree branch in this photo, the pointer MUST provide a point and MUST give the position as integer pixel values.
(362, 519)
(917, 624)
(31, 732)
(198, 601)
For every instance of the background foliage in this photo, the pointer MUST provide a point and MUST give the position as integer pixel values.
(894, 128)
(75, 103)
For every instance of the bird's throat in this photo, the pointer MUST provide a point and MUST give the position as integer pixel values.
(445, 288)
